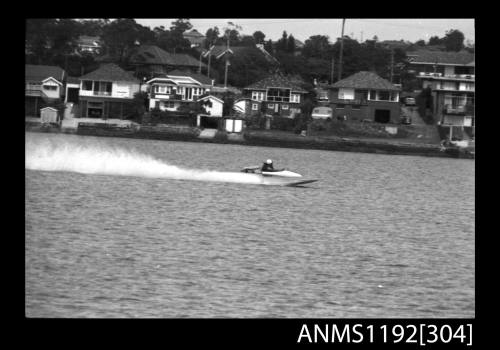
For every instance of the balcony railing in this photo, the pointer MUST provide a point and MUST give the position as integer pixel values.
(447, 76)
(467, 109)
(356, 101)
(167, 96)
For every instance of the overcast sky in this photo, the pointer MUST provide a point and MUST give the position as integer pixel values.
(365, 28)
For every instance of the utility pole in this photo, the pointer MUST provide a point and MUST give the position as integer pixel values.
(341, 49)
(199, 69)
(392, 63)
(209, 59)
(227, 62)
(331, 74)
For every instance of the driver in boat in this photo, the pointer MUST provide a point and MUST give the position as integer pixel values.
(268, 165)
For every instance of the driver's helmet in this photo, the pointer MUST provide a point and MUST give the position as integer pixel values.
(269, 161)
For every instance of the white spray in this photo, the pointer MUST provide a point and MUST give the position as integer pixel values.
(47, 156)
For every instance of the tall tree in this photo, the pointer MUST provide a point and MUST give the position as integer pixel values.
(211, 35)
(181, 25)
(317, 46)
(435, 40)
(290, 46)
(259, 37)
(282, 43)
(454, 40)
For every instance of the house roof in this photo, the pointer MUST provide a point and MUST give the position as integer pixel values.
(151, 54)
(211, 97)
(110, 72)
(443, 57)
(277, 81)
(365, 80)
(201, 78)
(193, 33)
(40, 72)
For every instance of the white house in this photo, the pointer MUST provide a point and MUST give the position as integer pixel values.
(107, 92)
(170, 91)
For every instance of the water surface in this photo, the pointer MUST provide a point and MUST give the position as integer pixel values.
(377, 236)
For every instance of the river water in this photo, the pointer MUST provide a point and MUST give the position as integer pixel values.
(142, 228)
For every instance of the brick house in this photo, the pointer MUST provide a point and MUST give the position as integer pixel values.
(365, 95)
(107, 93)
(451, 78)
(274, 95)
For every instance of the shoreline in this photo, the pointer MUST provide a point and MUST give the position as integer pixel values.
(265, 139)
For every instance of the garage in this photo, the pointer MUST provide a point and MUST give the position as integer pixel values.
(207, 122)
(382, 116)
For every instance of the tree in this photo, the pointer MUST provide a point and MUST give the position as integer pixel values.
(454, 40)
(120, 36)
(435, 40)
(268, 46)
(420, 42)
(290, 47)
(211, 35)
(259, 37)
(317, 46)
(282, 43)
(247, 40)
(181, 25)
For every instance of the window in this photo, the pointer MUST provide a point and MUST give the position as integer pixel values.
(257, 95)
(50, 87)
(346, 94)
(394, 96)
(270, 105)
(372, 95)
(383, 95)
(255, 107)
(163, 89)
(278, 95)
(284, 107)
(87, 85)
(295, 98)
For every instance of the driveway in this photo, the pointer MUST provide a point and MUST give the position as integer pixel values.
(412, 111)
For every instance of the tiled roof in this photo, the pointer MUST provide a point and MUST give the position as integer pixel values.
(193, 33)
(201, 78)
(110, 72)
(40, 72)
(365, 80)
(276, 81)
(444, 57)
(151, 54)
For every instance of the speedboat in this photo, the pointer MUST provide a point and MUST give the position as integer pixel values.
(278, 176)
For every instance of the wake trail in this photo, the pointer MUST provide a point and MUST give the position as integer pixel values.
(90, 159)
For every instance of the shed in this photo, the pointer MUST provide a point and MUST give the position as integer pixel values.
(49, 115)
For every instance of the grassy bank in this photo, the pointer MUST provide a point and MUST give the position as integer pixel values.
(267, 138)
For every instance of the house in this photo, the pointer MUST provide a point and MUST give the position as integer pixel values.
(274, 95)
(43, 86)
(170, 91)
(89, 44)
(195, 38)
(365, 95)
(215, 112)
(150, 60)
(451, 78)
(107, 92)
